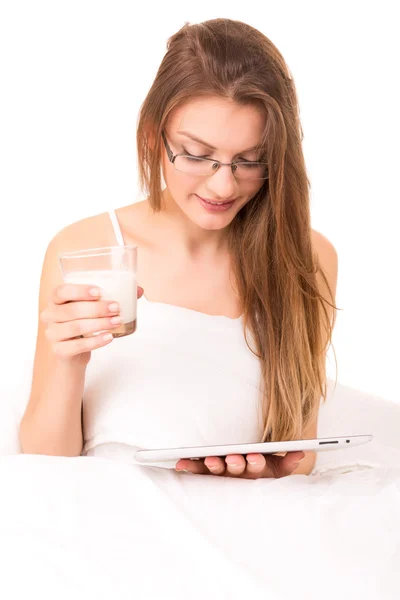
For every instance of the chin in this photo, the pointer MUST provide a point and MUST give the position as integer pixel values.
(212, 222)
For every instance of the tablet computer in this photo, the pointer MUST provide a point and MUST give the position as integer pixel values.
(198, 452)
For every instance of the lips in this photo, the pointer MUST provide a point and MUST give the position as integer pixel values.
(213, 206)
(216, 202)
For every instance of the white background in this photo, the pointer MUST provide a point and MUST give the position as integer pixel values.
(73, 76)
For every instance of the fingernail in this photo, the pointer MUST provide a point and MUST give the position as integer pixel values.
(113, 307)
(95, 292)
(182, 471)
(213, 468)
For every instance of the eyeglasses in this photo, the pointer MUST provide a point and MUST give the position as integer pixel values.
(205, 167)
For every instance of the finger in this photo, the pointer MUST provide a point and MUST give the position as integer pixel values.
(256, 464)
(192, 466)
(292, 459)
(72, 348)
(235, 464)
(282, 466)
(69, 292)
(215, 465)
(140, 291)
(73, 311)
(72, 329)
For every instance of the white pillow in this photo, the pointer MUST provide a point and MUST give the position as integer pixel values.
(349, 411)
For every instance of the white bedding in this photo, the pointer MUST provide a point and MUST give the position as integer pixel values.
(94, 528)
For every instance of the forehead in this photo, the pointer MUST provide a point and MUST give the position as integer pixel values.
(222, 123)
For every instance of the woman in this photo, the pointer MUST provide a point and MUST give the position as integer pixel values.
(226, 255)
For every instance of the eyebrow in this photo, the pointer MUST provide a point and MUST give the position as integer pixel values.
(196, 139)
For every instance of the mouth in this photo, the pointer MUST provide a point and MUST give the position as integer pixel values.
(215, 206)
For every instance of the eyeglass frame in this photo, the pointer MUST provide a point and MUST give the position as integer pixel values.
(232, 165)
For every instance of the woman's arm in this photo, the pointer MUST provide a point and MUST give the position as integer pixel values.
(51, 423)
(308, 462)
(328, 259)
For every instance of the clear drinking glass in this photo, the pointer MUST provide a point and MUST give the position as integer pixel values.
(113, 270)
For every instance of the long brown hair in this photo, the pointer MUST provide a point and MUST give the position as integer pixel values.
(270, 238)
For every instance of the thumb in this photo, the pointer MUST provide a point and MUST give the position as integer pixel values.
(288, 463)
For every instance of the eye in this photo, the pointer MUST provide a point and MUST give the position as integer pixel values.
(194, 155)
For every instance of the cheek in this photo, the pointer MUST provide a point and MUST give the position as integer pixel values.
(178, 184)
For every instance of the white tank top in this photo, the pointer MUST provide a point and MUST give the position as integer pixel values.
(184, 378)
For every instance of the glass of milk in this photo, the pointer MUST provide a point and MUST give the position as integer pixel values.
(113, 270)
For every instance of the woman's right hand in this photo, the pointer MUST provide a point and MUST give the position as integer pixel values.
(75, 311)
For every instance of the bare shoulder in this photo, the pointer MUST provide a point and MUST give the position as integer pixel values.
(90, 232)
(321, 244)
(327, 258)
(97, 231)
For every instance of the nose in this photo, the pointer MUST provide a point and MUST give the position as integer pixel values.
(222, 184)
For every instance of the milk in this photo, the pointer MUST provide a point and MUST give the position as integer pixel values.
(116, 285)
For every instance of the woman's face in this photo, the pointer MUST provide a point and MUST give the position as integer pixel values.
(227, 132)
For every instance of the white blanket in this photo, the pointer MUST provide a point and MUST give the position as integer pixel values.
(95, 528)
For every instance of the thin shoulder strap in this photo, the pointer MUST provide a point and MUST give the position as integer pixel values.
(116, 227)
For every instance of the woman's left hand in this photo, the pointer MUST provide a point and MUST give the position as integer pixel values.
(253, 466)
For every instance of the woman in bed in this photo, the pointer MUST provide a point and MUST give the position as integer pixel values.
(238, 305)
